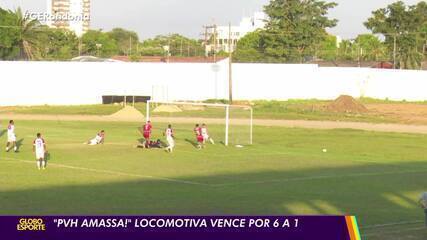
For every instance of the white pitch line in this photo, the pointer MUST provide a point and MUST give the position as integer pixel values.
(397, 231)
(219, 185)
(390, 225)
(116, 173)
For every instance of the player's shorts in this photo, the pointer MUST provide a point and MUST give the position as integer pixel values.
(93, 142)
(205, 137)
(200, 139)
(40, 155)
(11, 137)
(171, 142)
(147, 135)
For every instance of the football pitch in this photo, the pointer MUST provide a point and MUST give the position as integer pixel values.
(376, 176)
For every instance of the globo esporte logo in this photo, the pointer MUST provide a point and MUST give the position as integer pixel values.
(31, 224)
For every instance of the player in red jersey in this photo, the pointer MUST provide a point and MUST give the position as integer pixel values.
(146, 132)
(199, 136)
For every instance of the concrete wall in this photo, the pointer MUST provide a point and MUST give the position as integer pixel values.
(72, 83)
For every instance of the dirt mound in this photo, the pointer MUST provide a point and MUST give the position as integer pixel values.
(167, 109)
(192, 108)
(346, 104)
(128, 113)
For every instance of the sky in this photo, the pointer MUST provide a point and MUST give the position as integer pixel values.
(153, 17)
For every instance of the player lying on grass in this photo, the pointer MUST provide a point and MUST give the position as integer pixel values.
(11, 137)
(169, 138)
(99, 139)
(199, 136)
(205, 135)
(152, 144)
(146, 132)
(39, 148)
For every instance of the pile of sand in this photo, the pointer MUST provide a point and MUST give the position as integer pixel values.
(192, 108)
(167, 109)
(346, 104)
(128, 113)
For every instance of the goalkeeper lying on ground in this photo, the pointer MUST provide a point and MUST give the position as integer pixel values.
(99, 139)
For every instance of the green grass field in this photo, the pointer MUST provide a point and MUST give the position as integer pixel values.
(375, 176)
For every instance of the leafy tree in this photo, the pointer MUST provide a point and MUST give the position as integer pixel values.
(177, 45)
(9, 37)
(294, 28)
(249, 48)
(127, 41)
(58, 44)
(100, 44)
(403, 27)
(371, 48)
(20, 33)
(346, 51)
(328, 48)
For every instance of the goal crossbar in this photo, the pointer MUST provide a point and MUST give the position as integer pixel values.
(227, 114)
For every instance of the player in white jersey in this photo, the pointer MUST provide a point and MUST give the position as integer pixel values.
(11, 137)
(170, 139)
(39, 148)
(98, 139)
(205, 135)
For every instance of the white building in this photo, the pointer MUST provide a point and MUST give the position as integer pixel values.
(69, 14)
(220, 34)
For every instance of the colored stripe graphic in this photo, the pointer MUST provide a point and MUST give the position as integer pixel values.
(353, 228)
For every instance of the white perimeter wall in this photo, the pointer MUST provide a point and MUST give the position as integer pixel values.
(73, 83)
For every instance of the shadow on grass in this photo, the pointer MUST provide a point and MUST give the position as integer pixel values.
(19, 144)
(2, 132)
(377, 194)
(193, 143)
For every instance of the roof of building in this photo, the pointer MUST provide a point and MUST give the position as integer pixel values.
(93, 59)
(163, 59)
(364, 64)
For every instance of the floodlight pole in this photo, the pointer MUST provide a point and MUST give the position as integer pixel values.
(230, 65)
(148, 110)
(227, 123)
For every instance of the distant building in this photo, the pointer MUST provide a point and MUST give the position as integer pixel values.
(73, 15)
(219, 35)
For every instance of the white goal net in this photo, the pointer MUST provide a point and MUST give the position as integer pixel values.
(226, 124)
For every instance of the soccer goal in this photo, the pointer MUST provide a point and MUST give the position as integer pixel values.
(228, 124)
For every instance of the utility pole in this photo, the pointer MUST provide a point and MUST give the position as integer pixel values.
(394, 51)
(215, 42)
(130, 45)
(230, 65)
(80, 46)
(214, 38)
(424, 54)
(359, 56)
(181, 48)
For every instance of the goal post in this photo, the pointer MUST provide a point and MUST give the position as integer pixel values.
(237, 119)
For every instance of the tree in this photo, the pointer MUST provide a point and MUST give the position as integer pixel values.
(174, 44)
(328, 48)
(371, 48)
(18, 33)
(100, 44)
(249, 48)
(403, 27)
(9, 36)
(294, 28)
(127, 41)
(58, 44)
